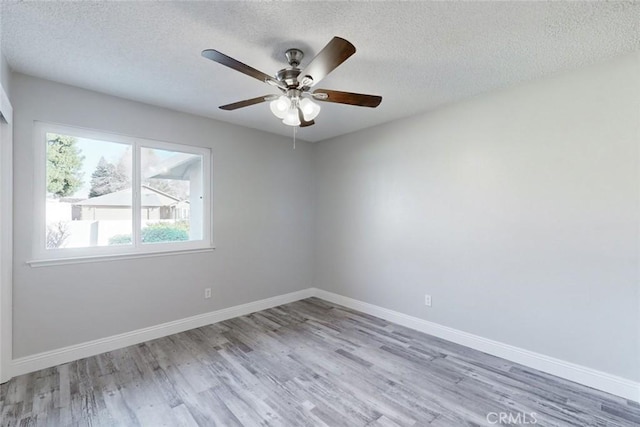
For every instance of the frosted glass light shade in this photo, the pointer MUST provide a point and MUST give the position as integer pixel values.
(310, 109)
(291, 118)
(280, 107)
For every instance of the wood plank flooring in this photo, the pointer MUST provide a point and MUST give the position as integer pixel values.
(309, 363)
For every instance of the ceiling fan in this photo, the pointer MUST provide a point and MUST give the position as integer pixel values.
(295, 105)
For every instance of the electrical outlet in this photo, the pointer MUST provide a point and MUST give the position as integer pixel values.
(427, 300)
(207, 292)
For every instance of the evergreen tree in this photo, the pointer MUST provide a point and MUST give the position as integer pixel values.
(64, 165)
(107, 178)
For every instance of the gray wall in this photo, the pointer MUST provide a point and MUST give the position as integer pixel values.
(517, 211)
(262, 225)
(5, 74)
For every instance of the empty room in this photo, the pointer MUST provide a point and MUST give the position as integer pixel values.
(323, 213)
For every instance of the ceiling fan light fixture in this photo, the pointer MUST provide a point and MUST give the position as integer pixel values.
(310, 109)
(280, 106)
(292, 118)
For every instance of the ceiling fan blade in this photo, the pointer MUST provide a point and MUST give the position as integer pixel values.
(358, 99)
(303, 122)
(246, 103)
(333, 54)
(228, 61)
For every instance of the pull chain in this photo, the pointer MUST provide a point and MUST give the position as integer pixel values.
(295, 130)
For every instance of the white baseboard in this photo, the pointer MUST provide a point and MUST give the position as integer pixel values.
(560, 368)
(51, 358)
(573, 372)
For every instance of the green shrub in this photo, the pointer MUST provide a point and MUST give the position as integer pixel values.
(163, 233)
(179, 225)
(155, 233)
(120, 239)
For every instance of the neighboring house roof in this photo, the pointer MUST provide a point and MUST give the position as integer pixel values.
(150, 198)
(72, 200)
(175, 167)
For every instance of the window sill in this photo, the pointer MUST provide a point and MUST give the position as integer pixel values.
(103, 258)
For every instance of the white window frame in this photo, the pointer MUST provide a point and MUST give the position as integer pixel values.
(43, 256)
(6, 237)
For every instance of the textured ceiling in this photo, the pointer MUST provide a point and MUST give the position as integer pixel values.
(416, 55)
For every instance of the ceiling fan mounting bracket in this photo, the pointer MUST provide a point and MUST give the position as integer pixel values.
(294, 56)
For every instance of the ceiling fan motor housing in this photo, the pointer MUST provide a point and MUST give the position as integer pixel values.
(289, 76)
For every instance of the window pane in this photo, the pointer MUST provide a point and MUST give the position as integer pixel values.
(88, 192)
(171, 208)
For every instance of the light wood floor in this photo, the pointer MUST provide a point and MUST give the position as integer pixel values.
(309, 363)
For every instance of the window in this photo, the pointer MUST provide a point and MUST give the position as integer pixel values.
(107, 195)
